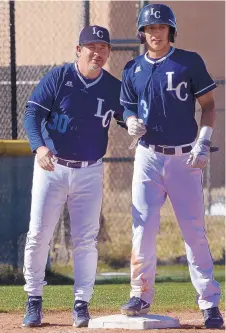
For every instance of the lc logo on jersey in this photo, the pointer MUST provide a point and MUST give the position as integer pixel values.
(105, 118)
(178, 87)
(60, 122)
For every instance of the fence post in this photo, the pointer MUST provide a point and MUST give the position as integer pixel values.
(86, 18)
(142, 46)
(13, 68)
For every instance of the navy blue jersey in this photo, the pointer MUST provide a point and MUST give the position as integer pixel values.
(71, 115)
(163, 93)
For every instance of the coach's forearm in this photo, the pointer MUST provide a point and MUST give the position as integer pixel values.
(32, 126)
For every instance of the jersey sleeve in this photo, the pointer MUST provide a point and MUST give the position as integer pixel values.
(43, 95)
(38, 107)
(201, 81)
(118, 114)
(128, 97)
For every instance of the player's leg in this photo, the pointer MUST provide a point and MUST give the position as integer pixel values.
(49, 192)
(84, 205)
(148, 196)
(184, 185)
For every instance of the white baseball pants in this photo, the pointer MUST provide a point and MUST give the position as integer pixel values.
(155, 176)
(82, 190)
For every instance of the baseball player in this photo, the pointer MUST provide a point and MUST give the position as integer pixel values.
(67, 120)
(159, 91)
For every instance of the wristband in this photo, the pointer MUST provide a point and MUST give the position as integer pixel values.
(205, 133)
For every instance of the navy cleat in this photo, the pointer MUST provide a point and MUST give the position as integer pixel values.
(213, 318)
(33, 314)
(135, 306)
(81, 314)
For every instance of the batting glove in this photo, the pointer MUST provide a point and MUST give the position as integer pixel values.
(136, 127)
(200, 153)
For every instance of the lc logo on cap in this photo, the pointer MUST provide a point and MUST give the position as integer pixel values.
(99, 33)
(94, 34)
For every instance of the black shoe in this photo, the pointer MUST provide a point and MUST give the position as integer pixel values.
(213, 318)
(81, 314)
(135, 306)
(33, 314)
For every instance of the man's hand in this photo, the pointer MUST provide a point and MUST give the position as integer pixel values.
(44, 157)
(135, 127)
(199, 155)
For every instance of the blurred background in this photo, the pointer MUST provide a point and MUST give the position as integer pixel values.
(38, 35)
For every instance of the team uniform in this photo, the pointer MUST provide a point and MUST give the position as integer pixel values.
(71, 116)
(162, 92)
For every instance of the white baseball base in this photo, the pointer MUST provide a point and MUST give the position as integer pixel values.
(143, 322)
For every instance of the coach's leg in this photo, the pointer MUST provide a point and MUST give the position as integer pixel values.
(148, 196)
(186, 193)
(84, 206)
(49, 194)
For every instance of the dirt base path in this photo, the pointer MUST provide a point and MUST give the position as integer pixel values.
(61, 322)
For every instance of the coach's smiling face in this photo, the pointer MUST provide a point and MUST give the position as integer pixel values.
(92, 56)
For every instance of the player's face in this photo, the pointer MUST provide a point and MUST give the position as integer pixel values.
(157, 36)
(95, 55)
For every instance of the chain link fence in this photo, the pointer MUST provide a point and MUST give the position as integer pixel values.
(5, 73)
(34, 37)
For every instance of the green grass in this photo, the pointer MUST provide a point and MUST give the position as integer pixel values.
(107, 297)
(163, 272)
(181, 271)
(63, 275)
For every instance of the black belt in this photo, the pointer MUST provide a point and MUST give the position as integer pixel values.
(75, 165)
(167, 150)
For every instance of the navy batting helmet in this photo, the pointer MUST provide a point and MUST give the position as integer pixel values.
(156, 14)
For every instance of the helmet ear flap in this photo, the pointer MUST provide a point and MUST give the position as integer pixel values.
(141, 36)
(172, 34)
(171, 38)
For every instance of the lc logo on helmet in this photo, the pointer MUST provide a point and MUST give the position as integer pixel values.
(99, 33)
(156, 13)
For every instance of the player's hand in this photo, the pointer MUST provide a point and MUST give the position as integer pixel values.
(44, 158)
(136, 127)
(199, 155)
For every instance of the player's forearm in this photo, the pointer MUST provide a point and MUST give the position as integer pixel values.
(207, 104)
(208, 116)
(207, 123)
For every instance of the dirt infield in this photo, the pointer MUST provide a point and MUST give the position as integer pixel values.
(60, 322)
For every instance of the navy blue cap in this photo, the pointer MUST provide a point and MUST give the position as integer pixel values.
(94, 34)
